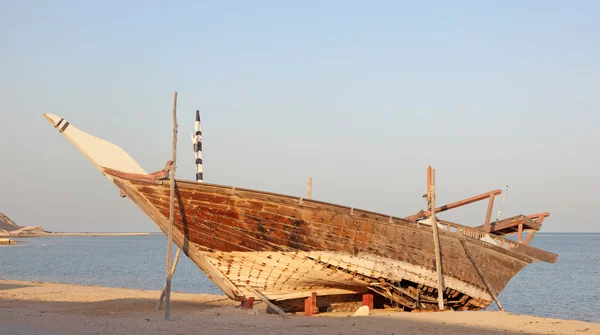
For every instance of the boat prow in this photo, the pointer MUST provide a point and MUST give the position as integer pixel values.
(101, 153)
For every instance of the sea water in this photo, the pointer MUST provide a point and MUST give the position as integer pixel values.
(569, 289)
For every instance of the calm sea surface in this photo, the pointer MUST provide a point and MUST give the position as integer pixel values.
(569, 289)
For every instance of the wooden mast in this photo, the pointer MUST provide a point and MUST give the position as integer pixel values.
(436, 236)
(171, 214)
(309, 189)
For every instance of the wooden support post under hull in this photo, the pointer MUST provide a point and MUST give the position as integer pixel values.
(266, 300)
(310, 305)
(367, 300)
(171, 215)
(487, 286)
(248, 304)
(436, 236)
(162, 294)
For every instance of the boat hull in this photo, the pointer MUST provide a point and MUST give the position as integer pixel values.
(289, 247)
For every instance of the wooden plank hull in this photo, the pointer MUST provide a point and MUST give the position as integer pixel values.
(288, 247)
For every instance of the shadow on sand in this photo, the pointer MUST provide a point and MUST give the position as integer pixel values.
(8, 286)
(219, 316)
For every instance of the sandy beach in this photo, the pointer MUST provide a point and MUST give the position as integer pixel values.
(47, 308)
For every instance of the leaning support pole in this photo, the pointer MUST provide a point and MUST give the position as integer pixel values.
(436, 236)
(488, 215)
(162, 294)
(487, 286)
(266, 300)
(171, 214)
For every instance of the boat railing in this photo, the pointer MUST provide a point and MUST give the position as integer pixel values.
(452, 227)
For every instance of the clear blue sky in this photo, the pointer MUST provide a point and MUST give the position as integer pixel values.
(360, 96)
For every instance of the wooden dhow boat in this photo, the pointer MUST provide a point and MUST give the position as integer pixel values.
(288, 248)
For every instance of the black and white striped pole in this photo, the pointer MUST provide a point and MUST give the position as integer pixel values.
(502, 203)
(197, 139)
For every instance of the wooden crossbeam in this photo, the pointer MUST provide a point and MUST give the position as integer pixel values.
(453, 205)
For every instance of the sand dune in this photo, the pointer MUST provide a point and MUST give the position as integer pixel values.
(7, 224)
(43, 308)
(9, 228)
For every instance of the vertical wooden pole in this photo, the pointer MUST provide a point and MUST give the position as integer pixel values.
(309, 189)
(436, 236)
(162, 294)
(488, 215)
(429, 173)
(520, 238)
(171, 214)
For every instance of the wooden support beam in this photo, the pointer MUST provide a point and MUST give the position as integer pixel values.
(436, 236)
(520, 234)
(266, 300)
(171, 214)
(529, 236)
(453, 205)
(540, 217)
(487, 286)
(488, 215)
(429, 177)
(309, 189)
(164, 290)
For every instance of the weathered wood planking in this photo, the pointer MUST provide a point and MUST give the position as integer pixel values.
(283, 244)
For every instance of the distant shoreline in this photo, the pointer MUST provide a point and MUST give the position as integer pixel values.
(85, 234)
